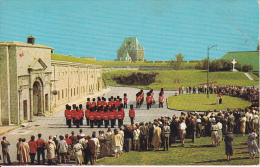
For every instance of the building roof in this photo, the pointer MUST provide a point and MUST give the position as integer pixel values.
(24, 44)
(244, 58)
(66, 63)
(131, 42)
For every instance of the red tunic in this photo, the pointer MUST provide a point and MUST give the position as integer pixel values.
(161, 99)
(89, 104)
(104, 104)
(131, 113)
(77, 115)
(148, 99)
(110, 104)
(99, 116)
(120, 115)
(65, 112)
(123, 111)
(87, 112)
(95, 114)
(112, 115)
(99, 103)
(69, 114)
(91, 116)
(106, 116)
(116, 112)
(93, 104)
(125, 99)
(81, 113)
(102, 114)
(73, 113)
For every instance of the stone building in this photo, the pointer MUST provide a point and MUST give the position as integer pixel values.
(32, 83)
(130, 48)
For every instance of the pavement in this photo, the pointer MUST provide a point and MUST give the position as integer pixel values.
(54, 124)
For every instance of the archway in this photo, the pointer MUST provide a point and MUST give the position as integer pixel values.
(37, 98)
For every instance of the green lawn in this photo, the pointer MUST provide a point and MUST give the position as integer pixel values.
(173, 79)
(200, 102)
(199, 153)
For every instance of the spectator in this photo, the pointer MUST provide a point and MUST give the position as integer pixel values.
(33, 148)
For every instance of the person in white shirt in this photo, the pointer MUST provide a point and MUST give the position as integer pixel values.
(136, 135)
(97, 145)
(255, 122)
(182, 130)
(214, 133)
(219, 137)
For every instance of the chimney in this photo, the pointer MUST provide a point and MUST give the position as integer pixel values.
(30, 40)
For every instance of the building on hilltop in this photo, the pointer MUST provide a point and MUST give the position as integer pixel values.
(130, 48)
(32, 83)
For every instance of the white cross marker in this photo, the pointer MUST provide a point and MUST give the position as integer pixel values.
(233, 62)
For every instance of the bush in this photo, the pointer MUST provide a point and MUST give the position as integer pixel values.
(136, 78)
(247, 68)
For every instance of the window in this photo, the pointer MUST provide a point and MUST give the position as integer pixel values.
(46, 102)
(71, 92)
(58, 95)
(25, 109)
(74, 91)
(62, 94)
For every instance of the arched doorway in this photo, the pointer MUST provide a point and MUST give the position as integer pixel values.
(37, 98)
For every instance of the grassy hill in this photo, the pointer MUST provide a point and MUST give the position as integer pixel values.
(173, 79)
(249, 58)
(60, 57)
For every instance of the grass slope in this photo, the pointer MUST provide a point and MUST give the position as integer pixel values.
(200, 102)
(199, 153)
(173, 79)
(249, 58)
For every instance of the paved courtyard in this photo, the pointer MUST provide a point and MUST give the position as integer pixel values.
(55, 124)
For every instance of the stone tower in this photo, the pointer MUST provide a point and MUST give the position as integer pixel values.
(133, 48)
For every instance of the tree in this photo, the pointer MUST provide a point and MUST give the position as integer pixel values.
(177, 63)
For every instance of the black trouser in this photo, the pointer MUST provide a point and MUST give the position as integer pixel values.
(69, 122)
(132, 119)
(40, 151)
(149, 105)
(220, 101)
(106, 123)
(32, 155)
(81, 121)
(113, 123)
(86, 157)
(160, 104)
(125, 105)
(137, 105)
(77, 122)
(99, 123)
(91, 123)
(120, 122)
(87, 119)
(128, 144)
(66, 121)
(74, 121)
(143, 142)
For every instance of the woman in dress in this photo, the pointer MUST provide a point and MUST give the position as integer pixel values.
(252, 144)
(228, 144)
(243, 124)
(78, 148)
(51, 146)
(214, 133)
(156, 142)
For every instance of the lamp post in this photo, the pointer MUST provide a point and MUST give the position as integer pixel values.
(208, 68)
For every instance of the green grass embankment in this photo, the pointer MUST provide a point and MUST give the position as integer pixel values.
(173, 79)
(200, 102)
(199, 153)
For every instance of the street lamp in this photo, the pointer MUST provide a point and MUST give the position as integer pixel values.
(208, 68)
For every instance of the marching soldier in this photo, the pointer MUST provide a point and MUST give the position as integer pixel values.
(148, 100)
(98, 117)
(77, 117)
(81, 114)
(106, 117)
(89, 103)
(104, 103)
(125, 100)
(120, 117)
(132, 113)
(87, 113)
(91, 117)
(102, 115)
(65, 113)
(112, 117)
(73, 113)
(95, 115)
(68, 116)
(161, 100)
(138, 100)
(110, 103)
(93, 104)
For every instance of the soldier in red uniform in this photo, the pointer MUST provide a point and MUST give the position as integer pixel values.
(148, 100)
(87, 112)
(95, 115)
(110, 103)
(67, 108)
(99, 102)
(112, 117)
(123, 111)
(161, 100)
(104, 103)
(73, 113)
(125, 100)
(93, 104)
(120, 117)
(77, 117)
(116, 112)
(102, 115)
(68, 116)
(138, 100)
(115, 103)
(132, 113)
(81, 114)
(106, 117)
(98, 117)
(88, 103)
(91, 117)
(142, 97)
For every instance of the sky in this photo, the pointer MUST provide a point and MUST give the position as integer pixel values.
(87, 28)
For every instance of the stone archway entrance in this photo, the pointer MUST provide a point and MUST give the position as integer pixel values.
(37, 98)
